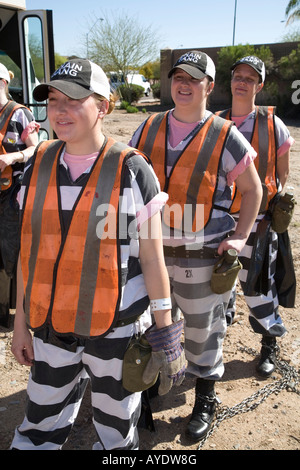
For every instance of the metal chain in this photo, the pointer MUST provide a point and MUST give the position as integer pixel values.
(289, 381)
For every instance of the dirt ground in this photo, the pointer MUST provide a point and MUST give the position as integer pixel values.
(254, 414)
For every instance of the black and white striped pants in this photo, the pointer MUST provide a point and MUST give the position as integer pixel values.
(58, 379)
(204, 314)
(264, 314)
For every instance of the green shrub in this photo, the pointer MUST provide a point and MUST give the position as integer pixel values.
(156, 90)
(289, 66)
(131, 109)
(131, 93)
(124, 104)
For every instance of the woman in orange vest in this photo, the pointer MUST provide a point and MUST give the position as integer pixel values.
(197, 156)
(18, 139)
(91, 257)
(271, 139)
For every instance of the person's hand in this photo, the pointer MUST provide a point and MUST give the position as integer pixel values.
(167, 356)
(236, 242)
(22, 347)
(5, 160)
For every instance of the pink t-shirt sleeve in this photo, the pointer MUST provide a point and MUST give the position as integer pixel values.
(155, 205)
(241, 166)
(285, 147)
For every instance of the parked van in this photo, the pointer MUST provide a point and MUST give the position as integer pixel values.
(138, 79)
(115, 80)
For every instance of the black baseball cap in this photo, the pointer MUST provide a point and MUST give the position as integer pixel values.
(76, 78)
(195, 63)
(253, 62)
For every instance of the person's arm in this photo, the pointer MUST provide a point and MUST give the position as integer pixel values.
(164, 336)
(153, 267)
(283, 167)
(22, 340)
(248, 183)
(22, 156)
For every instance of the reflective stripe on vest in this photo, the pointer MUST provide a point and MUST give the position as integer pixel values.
(5, 117)
(264, 143)
(193, 179)
(72, 280)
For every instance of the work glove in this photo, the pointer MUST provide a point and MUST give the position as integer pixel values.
(167, 356)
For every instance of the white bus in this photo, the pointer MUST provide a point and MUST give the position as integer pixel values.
(27, 49)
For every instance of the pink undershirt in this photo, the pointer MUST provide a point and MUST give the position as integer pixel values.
(78, 164)
(179, 130)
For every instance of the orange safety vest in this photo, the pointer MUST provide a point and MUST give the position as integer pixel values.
(193, 178)
(72, 281)
(264, 143)
(5, 116)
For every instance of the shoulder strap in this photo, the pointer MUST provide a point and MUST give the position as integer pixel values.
(225, 113)
(154, 123)
(5, 116)
(7, 112)
(205, 154)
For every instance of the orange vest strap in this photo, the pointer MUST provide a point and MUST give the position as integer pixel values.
(225, 114)
(32, 217)
(266, 153)
(264, 143)
(147, 139)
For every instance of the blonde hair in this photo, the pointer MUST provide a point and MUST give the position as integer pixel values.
(112, 101)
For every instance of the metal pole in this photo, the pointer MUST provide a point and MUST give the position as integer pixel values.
(234, 19)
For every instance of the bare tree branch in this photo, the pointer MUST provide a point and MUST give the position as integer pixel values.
(121, 43)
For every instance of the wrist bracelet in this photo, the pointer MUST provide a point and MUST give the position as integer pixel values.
(160, 304)
(24, 156)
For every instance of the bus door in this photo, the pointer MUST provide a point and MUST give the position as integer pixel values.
(27, 48)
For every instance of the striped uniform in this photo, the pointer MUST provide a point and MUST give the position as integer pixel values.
(264, 314)
(12, 142)
(63, 365)
(204, 311)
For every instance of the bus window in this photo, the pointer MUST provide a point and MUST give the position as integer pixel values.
(35, 64)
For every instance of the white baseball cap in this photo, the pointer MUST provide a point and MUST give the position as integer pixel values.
(4, 73)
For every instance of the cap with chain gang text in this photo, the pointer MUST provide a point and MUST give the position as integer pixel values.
(195, 63)
(253, 62)
(77, 79)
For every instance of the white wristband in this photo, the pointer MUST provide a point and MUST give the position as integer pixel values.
(160, 304)
(25, 158)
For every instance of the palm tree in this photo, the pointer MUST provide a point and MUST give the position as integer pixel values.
(292, 11)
